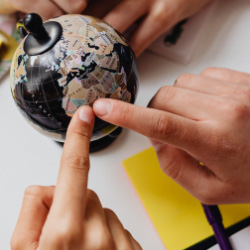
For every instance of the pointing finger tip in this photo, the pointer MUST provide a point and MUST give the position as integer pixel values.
(102, 107)
(86, 114)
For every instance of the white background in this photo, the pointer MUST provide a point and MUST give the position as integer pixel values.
(28, 158)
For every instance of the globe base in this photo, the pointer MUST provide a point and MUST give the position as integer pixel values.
(102, 143)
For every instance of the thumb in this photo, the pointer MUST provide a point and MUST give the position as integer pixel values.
(184, 169)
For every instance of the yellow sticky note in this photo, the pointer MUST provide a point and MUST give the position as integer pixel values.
(176, 215)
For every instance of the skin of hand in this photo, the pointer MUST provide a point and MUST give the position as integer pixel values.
(46, 8)
(202, 118)
(69, 216)
(154, 17)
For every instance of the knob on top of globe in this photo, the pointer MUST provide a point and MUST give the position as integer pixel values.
(67, 62)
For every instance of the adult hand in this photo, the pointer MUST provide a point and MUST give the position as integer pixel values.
(46, 8)
(69, 216)
(204, 118)
(156, 17)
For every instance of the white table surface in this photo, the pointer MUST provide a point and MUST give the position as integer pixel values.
(28, 158)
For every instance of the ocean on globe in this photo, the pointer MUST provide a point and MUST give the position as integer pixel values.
(90, 61)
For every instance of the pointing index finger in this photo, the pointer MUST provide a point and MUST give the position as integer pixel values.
(72, 181)
(167, 127)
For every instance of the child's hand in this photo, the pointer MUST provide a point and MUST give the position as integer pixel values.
(46, 8)
(157, 16)
(69, 216)
(203, 118)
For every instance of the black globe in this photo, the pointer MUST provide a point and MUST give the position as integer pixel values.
(90, 60)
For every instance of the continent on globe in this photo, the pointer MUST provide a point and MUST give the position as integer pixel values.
(91, 60)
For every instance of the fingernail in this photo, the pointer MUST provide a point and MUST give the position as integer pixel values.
(102, 107)
(86, 114)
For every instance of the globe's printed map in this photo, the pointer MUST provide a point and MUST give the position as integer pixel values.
(90, 61)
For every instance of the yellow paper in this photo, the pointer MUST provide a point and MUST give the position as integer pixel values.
(177, 216)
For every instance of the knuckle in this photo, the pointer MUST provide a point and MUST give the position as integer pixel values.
(111, 216)
(185, 78)
(159, 13)
(217, 193)
(221, 144)
(209, 71)
(151, 102)
(80, 131)
(78, 162)
(236, 76)
(76, 6)
(161, 90)
(159, 94)
(171, 168)
(34, 191)
(126, 113)
(162, 127)
(68, 233)
(207, 196)
(103, 239)
(129, 234)
(164, 90)
(159, 16)
(92, 195)
(239, 111)
(220, 141)
(109, 212)
(167, 93)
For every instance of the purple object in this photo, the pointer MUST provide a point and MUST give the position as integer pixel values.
(215, 220)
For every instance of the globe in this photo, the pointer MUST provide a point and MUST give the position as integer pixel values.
(89, 60)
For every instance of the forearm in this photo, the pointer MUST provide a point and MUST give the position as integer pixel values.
(6, 7)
